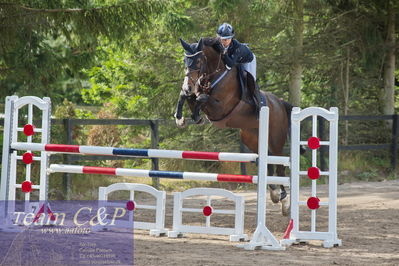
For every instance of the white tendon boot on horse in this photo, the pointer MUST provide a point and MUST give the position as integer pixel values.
(181, 123)
(285, 206)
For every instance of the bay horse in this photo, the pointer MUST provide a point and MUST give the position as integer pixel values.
(209, 87)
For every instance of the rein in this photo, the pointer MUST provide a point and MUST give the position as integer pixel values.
(205, 78)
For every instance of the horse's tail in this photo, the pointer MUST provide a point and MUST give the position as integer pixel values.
(288, 108)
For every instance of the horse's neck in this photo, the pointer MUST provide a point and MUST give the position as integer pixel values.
(228, 89)
(214, 59)
(229, 86)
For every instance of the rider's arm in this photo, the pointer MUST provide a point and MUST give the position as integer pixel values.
(240, 54)
(244, 54)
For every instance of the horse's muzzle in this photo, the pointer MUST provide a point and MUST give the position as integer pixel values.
(186, 87)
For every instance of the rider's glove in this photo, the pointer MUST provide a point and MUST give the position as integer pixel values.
(229, 62)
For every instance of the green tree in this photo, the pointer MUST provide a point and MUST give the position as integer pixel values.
(45, 44)
(143, 78)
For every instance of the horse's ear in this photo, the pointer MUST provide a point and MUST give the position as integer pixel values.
(199, 45)
(185, 45)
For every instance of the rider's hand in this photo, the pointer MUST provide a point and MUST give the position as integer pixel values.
(230, 62)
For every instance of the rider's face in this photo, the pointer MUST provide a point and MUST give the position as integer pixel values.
(225, 42)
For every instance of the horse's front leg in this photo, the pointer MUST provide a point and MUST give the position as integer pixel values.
(180, 121)
(197, 105)
(196, 112)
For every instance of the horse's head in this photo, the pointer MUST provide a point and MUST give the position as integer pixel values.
(208, 85)
(194, 61)
(201, 63)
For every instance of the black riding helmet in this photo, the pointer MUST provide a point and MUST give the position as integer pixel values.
(225, 31)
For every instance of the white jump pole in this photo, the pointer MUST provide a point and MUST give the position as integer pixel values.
(147, 153)
(263, 238)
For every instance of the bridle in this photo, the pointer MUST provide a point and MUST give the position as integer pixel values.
(203, 83)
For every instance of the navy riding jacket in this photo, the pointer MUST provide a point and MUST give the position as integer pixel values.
(237, 53)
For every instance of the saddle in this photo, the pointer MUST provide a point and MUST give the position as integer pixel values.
(250, 92)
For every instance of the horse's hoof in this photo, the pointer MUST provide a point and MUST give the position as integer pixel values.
(285, 207)
(196, 119)
(283, 195)
(200, 121)
(275, 195)
(181, 122)
(176, 116)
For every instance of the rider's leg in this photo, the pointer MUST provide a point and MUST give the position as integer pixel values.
(251, 68)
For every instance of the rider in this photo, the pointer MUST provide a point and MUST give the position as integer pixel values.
(237, 53)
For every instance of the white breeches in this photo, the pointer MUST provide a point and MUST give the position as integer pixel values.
(251, 67)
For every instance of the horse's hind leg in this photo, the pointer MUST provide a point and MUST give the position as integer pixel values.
(274, 193)
(281, 172)
(285, 203)
(249, 138)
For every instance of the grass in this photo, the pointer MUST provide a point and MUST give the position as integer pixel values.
(364, 166)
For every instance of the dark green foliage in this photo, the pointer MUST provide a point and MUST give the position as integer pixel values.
(45, 44)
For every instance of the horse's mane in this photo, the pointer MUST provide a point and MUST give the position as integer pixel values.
(212, 42)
